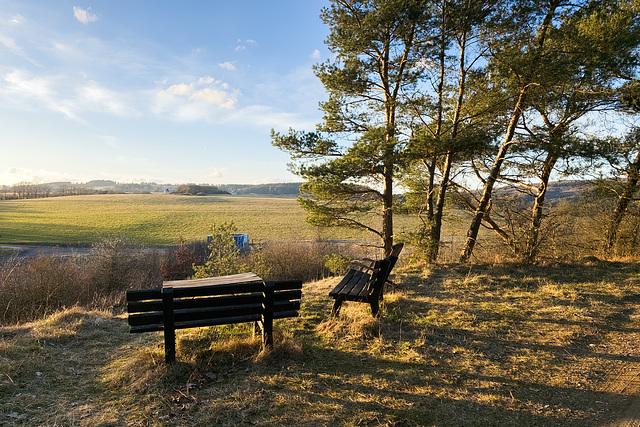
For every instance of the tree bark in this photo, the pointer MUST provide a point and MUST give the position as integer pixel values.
(532, 243)
(623, 203)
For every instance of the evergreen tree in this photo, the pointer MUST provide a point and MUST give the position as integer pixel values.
(351, 162)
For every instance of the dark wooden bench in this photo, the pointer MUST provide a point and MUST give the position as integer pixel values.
(364, 282)
(180, 307)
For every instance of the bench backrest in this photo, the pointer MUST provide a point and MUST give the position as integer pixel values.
(382, 269)
(211, 305)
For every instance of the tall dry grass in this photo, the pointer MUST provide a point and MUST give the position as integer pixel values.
(32, 288)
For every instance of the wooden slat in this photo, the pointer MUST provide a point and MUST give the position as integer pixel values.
(146, 328)
(209, 281)
(216, 322)
(286, 306)
(344, 282)
(288, 295)
(358, 281)
(217, 301)
(144, 306)
(217, 313)
(144, 294)
(145, 318)
(285, 285)
(361, 287)
(235, 288)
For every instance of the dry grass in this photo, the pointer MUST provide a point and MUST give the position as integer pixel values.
(455, 346)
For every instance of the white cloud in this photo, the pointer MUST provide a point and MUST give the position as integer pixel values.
(227, 66)
(84, 15)
(199, 100)
(17, 20)
(315, 54)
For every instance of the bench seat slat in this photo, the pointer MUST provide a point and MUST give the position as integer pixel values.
(351, 279)
(219, 301)
(234, 288)
(216, 322)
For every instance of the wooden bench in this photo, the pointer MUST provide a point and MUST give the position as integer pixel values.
(208, 302)
(365, 283)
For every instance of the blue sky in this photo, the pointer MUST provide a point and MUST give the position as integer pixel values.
(171, 92)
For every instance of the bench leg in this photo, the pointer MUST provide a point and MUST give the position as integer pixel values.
(267, 316)
(375, 307)
(169, 326)
(336, 306)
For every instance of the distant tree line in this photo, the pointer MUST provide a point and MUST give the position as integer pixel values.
(199, 190)
(275, 189)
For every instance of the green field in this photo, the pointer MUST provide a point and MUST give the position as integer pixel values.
(158, 219)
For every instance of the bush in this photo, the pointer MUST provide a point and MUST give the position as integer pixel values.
(37, 287)
(224, 256)
(179, 263)
(299, 260)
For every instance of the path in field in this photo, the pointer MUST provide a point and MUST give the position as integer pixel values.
(625, 382)
(27, 251)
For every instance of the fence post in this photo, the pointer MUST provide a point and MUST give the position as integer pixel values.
(267, 315)
(169, 326)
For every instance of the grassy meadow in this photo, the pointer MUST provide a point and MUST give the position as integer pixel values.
(159, 219)
(457, 345)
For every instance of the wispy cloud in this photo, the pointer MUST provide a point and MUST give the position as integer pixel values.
(62, 95)
(227, 66)
(13, 175)
(94, 97)
(244, 44)
(215, 173)
(315, 54)
(17, 20)
(30, 92)
(84, 15)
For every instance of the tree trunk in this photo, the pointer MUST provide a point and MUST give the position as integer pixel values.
(387, 210)
(623, 203)
(531, 245)
(472, 233)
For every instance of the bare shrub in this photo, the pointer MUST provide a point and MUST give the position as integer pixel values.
(33, 288)
(116, 265)
(302, 260)
(178, 265)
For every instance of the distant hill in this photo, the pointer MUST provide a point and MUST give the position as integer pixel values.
(276, 189)
(570, 189)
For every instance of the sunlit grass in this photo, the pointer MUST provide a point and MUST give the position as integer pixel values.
(158, 219)
(457, 346)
